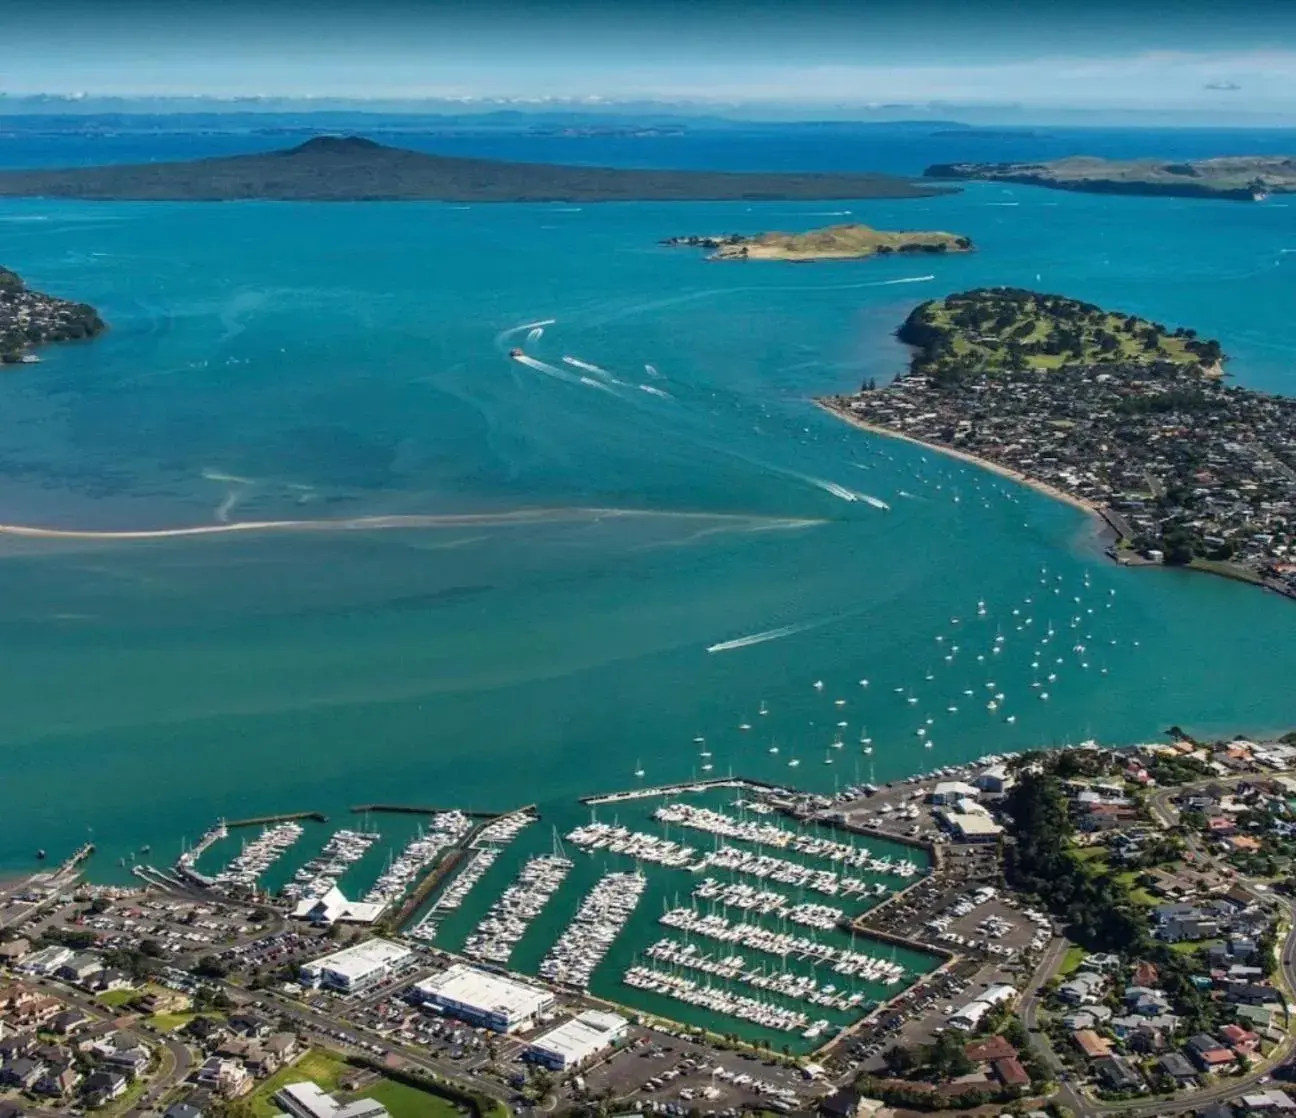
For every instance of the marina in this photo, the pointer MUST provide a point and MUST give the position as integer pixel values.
(509, 917)
(587, 939)
(257, 856)
(715, 999)
(735, 969)
(783, 945)
(446, 830)
(487, 846)
(321, 873)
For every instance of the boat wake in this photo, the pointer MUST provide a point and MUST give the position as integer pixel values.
(535, 334)
(546, 368)
(842, 492)
(761, 638)
(577, 363)
(502, 337)
(507, 519)
(904, 279)
(651, 370)
(655, 391)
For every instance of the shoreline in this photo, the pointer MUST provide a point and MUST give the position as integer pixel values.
(1044, 487)
(1098, 512)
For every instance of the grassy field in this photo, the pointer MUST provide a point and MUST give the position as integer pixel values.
(409, 1102)
(983, 333)
(169, 1022)
(321, 1068)
(1071, 960)
(840, 242)
(115, 999)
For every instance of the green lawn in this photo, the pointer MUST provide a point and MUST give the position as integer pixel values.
(115, 999)
(319, 1067)
(1071, 960)
(168, 1022)
(409, 1102)
(1187, 947)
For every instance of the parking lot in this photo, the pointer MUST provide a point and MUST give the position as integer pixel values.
(673, 1074)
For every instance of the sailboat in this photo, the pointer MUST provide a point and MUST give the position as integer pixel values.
(763, 708)
(639, 769)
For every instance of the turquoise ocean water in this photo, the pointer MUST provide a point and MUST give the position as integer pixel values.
(273, 362)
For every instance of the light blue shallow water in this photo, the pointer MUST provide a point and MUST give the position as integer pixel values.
(275, 362)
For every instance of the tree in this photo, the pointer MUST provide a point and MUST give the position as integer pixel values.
(899, 1061)
(208, 966)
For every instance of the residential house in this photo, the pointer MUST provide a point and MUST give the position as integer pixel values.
(996, 1047)
(1208, 1053)
(1086, 988)
(163, 1001)
(1145, 1002)
(22, 1073)
(183, 1110)
(1269, 1102)
(103, 1086)
(1091, 1044)
(1117, 1074)
(1010, 1072)
(1145, 974)
(17, 1044)
(1242, 1041)
(1249, 993)
(842, 1103)
(58, 1081)
(12, 951)
(205, 1030)
(285, 1046)
(112, 979)
(227, 1078)
(80, 968)
(69, 1021)
(1175, 1065)
(249, 1025)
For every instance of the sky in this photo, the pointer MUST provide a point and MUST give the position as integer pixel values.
(1186, 54)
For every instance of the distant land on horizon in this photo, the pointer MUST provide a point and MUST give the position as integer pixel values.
(352, 168)
(1234, 178)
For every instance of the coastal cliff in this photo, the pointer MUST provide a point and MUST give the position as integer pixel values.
(30, 318)
(1119, 415)
(1230, 178)
(836, 242)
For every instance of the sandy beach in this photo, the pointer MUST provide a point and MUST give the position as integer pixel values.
(994, 467)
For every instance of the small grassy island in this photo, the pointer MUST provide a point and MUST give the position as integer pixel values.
(355, 169)
(836, 242)
(1241, 178)
(29, 318)
(1119, 415)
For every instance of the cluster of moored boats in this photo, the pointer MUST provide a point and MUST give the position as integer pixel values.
(321, 873)
(699, 818)
(768, 903)
(650, 848)
(717, 1000)
(257, 856)
(597, 923)
(507, 920)
(447, 829)
(783, 945)
(489, 843)
(734, 968)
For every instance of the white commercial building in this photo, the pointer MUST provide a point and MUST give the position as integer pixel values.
(951, 791)
(307, 1100)
(577, 1040)
(483, 998)
(333, 908)
(970, 826)
(970, 1015)
(357, 967)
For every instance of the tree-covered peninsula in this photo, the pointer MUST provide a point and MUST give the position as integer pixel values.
(29, 318)
(351, 168)
(1235, 178)
(836, 242)
(1113, 412)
